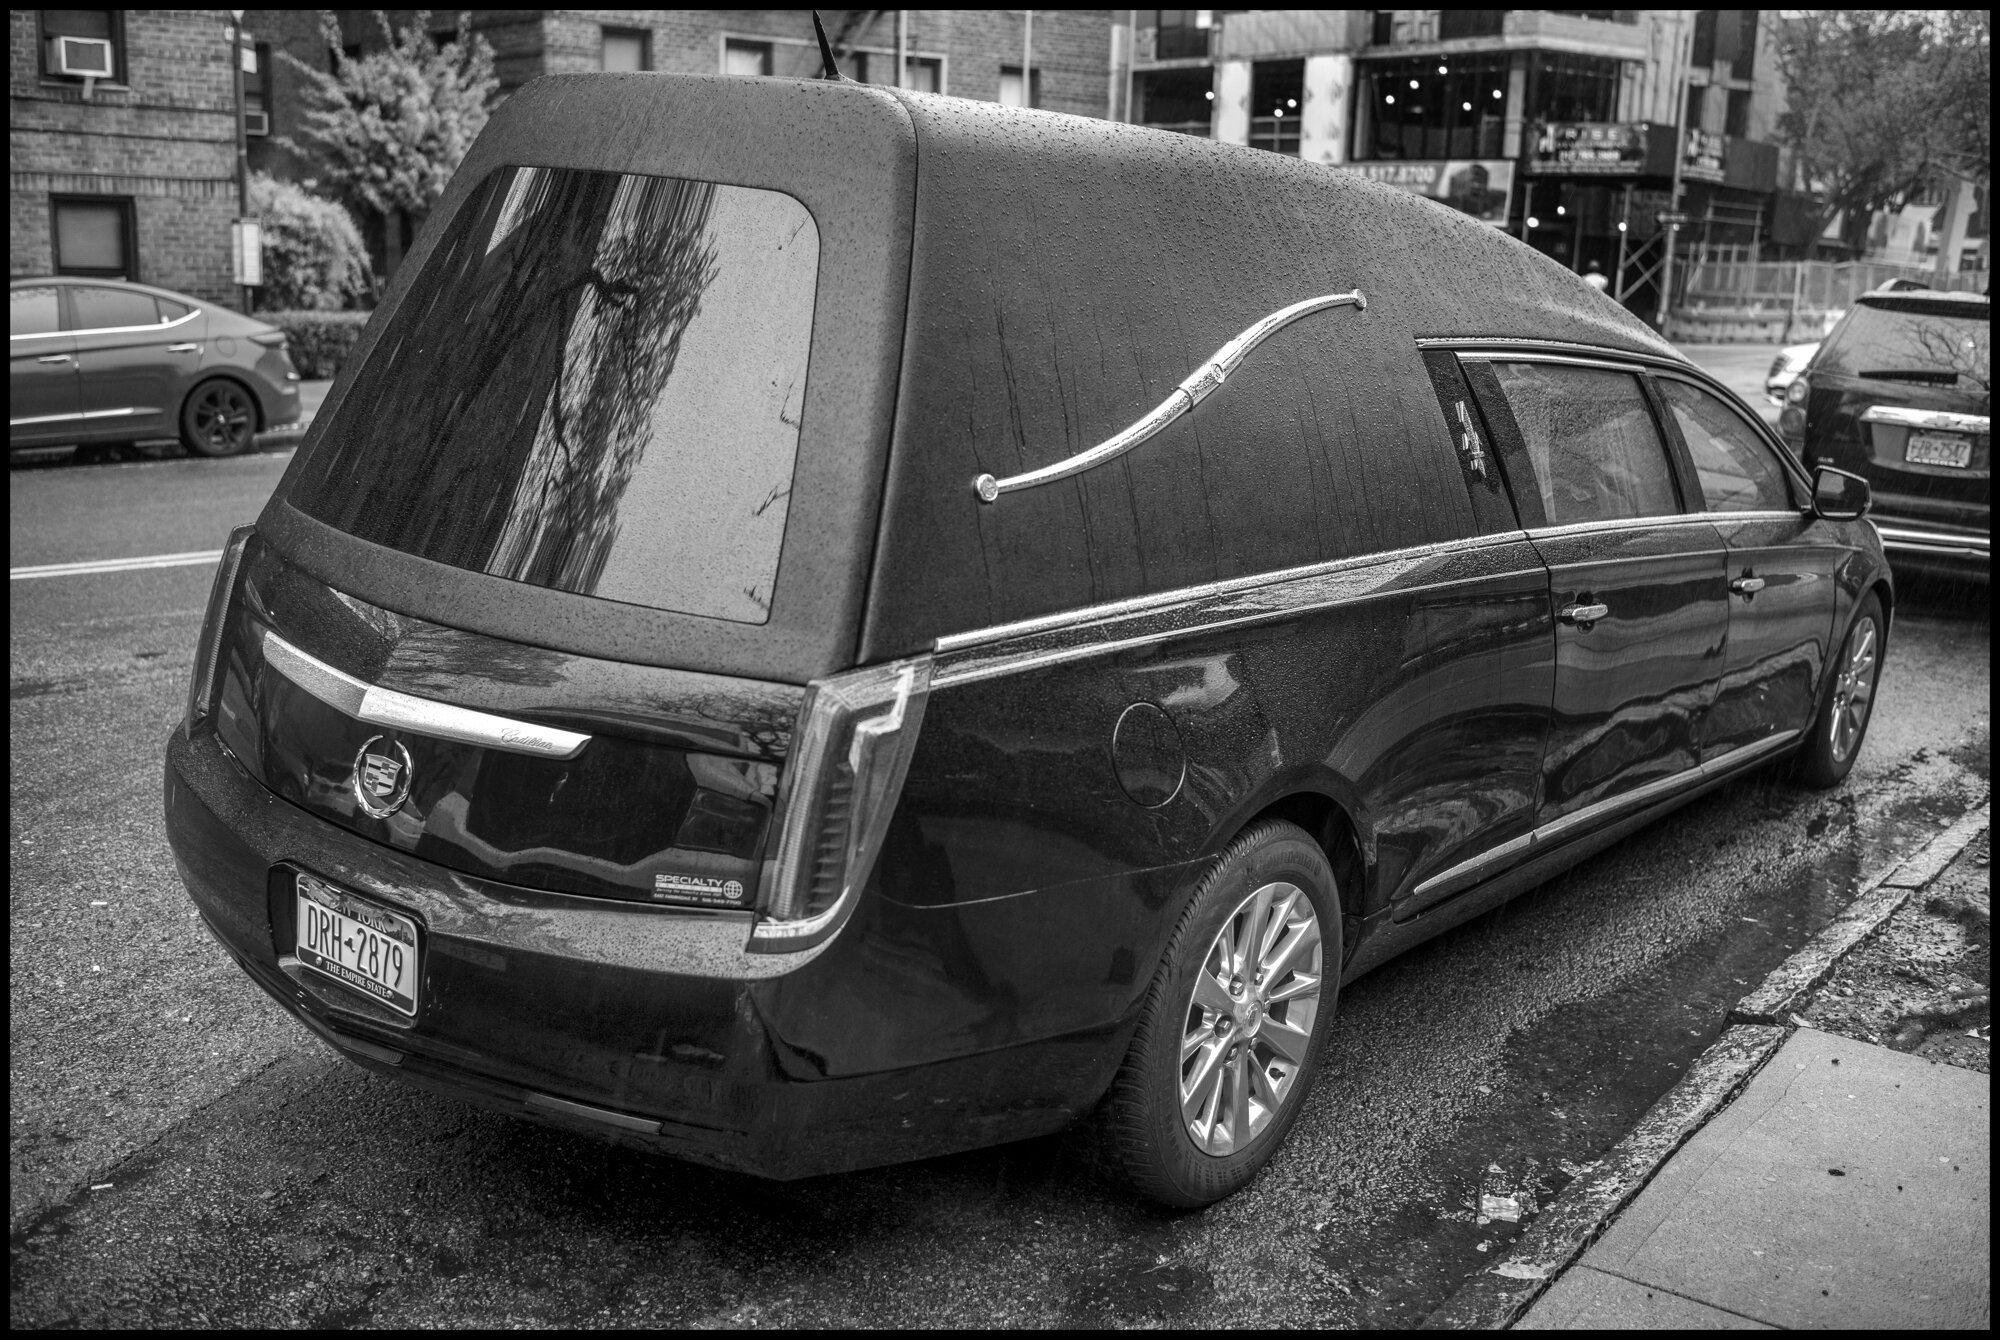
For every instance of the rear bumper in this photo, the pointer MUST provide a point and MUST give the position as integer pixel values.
(1915, 541)
(643, 1025)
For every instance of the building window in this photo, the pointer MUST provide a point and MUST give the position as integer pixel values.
(1179, 100)
(746, 57)
(625, 50)
(1456, 23)
(1432, 107)
(1727, 37)
(257, 93)
(91, 25)
(1179, 34)
(1562, 87)
(93, 236)
(1277, 91)
(1697, 106)
(921, 74)
(1737, 121)
(1010, 87)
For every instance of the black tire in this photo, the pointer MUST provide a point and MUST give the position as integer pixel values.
(218, 418)
(1847, 702)
(1153, 1144)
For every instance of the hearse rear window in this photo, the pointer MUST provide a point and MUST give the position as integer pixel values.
(596, 386)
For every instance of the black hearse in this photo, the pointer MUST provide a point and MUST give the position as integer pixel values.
(823, 626)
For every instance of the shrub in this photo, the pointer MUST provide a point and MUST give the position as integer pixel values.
(314, 259)
(318, 340)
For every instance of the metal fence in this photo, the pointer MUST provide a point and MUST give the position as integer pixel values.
(1808, 285)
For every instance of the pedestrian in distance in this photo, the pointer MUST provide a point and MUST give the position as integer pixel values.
(1596, 277)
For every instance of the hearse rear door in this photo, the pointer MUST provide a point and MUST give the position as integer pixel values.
(1638, 583)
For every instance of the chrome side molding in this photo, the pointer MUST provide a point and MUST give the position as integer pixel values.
(1901, 416)
(403, 711)
(1578, 822)
(1197, 387)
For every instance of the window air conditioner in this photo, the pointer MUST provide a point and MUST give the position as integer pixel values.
(256, 121)
(84, 57)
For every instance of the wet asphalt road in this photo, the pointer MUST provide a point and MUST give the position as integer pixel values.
(182, 1153)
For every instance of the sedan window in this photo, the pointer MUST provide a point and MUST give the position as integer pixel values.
(1738, 473)
(32, 311)
(1590, 440)
(111, 308)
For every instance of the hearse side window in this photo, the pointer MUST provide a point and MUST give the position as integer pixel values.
(1738, 473)
(595, 385)
(1590, 441)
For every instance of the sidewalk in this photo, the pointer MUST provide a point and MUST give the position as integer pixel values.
(1848, 1185)
(1799, 1177)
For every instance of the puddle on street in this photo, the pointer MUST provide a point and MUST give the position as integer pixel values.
(1580, 1078)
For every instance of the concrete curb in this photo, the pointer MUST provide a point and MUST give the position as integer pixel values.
(1497, 1298)
(1802, 973)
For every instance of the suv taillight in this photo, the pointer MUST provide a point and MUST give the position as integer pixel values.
(1792, 418)
(856, 735)
(208, 648)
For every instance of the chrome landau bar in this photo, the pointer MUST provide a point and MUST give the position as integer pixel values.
(1198, 386)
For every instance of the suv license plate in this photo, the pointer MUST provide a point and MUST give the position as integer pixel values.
(1938, 449)
(357, 943)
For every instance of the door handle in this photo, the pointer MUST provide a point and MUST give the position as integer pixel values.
(182, 348)
(1583, 616)
(1746, 586)
(53, 358)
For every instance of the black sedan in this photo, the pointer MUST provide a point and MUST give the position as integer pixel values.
(95, 361)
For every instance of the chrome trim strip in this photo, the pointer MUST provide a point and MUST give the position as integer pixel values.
(1115, 609)
(44, 418)
(1901, 416)
(1590, 816)
(1469, 871)
(190, 315)
(1622, 523)
(1609, 363)
(387, 707)
(604, 1116)
(1203, 382)
(1936, 542)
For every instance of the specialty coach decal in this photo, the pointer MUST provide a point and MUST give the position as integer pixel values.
(701, 888)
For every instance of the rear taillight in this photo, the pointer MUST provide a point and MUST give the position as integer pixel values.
(208, 649)
(1796, 393)
(856, 735)
(270, 339)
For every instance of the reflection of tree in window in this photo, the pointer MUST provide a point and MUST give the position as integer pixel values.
(547, 350)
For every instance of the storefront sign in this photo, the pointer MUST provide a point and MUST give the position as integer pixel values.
(1702, 156)
(1590, 148)
(1479, 187)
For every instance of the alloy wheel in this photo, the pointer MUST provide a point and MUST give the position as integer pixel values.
(1853, 691)
(1249, 1020)
(222, 419)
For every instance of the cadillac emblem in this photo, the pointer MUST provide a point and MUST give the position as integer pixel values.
(382, 776)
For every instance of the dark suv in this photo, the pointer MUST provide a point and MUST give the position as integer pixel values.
(822, 625)
(1901, 393)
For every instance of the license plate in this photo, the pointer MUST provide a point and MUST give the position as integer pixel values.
(357, 943)
(1938, 449)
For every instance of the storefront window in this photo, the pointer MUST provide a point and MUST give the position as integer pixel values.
(1563, 87)
(1435, 107)
(1277, 91)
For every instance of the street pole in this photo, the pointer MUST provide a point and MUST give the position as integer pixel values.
(1028, 58)
(1131, 59)
(1684, 57)
(242, 142)
(1624, 225)
(902, 48)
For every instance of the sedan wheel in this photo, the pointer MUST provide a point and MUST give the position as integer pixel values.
(1842, 723)
(218, 419)
(1230, 1035)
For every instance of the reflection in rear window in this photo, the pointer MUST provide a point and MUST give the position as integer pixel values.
(1928, 340)
(595, 385)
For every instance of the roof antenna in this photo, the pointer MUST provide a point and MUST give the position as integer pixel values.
(828, 70)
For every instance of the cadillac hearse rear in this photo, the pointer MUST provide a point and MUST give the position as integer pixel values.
(823, 626)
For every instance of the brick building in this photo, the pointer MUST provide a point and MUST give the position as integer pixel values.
(132, 175)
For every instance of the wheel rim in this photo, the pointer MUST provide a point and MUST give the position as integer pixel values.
(1249, 1020)
(221, 418)
(1853, 690)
